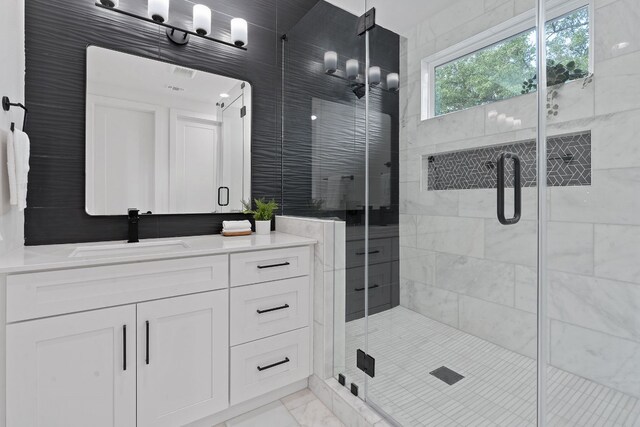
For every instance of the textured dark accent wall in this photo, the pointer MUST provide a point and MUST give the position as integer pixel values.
(568, 164)
(333, 146)
(323, 28)
(56, 41)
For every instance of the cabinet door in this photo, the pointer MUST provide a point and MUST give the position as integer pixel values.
(183, 355)
(73, 370)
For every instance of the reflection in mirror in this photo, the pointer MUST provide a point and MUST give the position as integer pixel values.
(164, 138)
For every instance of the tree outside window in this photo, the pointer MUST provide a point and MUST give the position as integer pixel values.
(508, 68)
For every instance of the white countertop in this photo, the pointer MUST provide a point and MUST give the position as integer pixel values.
(48, 257)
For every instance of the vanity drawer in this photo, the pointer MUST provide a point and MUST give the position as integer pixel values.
(265, 266)
(47, 293)
(379, 251)
(266, 309)
(261, 366)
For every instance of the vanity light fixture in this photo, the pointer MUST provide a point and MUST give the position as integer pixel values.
(239, 32)
(202, 19)
(390, 83)
(158, 13)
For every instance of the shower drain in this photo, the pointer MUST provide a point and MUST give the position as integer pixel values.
(447, 375)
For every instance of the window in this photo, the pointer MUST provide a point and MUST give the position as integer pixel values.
(500, 66)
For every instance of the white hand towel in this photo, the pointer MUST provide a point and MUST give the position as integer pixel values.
(335, 192)
(18, 151)
(236, 225)
(11, 169)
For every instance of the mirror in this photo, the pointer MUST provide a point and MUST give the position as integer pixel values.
(163, 138)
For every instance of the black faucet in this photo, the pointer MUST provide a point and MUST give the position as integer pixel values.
(134, 217)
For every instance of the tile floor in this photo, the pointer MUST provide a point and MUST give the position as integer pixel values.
(301, 409)
(499, 388)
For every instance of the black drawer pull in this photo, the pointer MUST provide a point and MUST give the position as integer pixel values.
(124, 347)
(146, 359)
(273, 365)
(370, 287)
(377, 251)
(282, 264)
(282, 307)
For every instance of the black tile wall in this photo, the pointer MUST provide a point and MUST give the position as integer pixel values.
(568, 164)
(56, 40)
(342, 148)
(323, 28)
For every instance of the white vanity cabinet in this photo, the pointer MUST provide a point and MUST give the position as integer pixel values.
(156, 342)
(183, 357)
(73, 370)
(172, 354)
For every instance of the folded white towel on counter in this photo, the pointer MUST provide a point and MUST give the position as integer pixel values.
(18, 150)
(236, 225)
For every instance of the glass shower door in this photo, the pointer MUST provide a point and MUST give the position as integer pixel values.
(459, 345)
(592, 229)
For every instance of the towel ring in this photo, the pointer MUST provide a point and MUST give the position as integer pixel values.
(6, 106)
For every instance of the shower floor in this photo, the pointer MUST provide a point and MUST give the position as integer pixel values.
(499, 387)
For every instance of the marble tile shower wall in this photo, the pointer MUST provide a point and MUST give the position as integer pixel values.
(461, 267)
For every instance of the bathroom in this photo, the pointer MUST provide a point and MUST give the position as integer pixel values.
(455, 240)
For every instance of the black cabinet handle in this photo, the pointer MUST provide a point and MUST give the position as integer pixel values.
(124, 347)
(146, 359)
(282, 307)
(377, 251)
(370, 287)
(282, 264)
(220, 196)
(517, 208)
(273, 365)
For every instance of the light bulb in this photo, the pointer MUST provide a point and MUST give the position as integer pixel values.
(352, 68)
(158, 10)
(201, 19)
(330, 62)
(110, 3)
(374, 75)
(239, 32)
(393, 81)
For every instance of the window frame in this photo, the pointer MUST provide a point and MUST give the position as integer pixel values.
(496, 34)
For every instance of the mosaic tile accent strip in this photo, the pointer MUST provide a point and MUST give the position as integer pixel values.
(568, 164)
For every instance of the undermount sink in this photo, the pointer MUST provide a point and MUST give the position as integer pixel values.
(129, 248)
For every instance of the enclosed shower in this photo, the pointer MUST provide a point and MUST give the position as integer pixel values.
(491, 203)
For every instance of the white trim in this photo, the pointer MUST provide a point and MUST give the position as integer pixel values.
(502, 31)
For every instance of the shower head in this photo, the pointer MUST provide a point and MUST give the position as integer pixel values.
(358, 90)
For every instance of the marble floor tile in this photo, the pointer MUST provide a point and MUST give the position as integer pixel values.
(315, 414)
(300, 409)
(273, 414)
(298, 399)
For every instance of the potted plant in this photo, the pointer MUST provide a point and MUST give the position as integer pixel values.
(557, 74)
(262, 214)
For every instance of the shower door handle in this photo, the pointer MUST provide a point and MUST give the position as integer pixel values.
(517, 188)
(220, 189)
